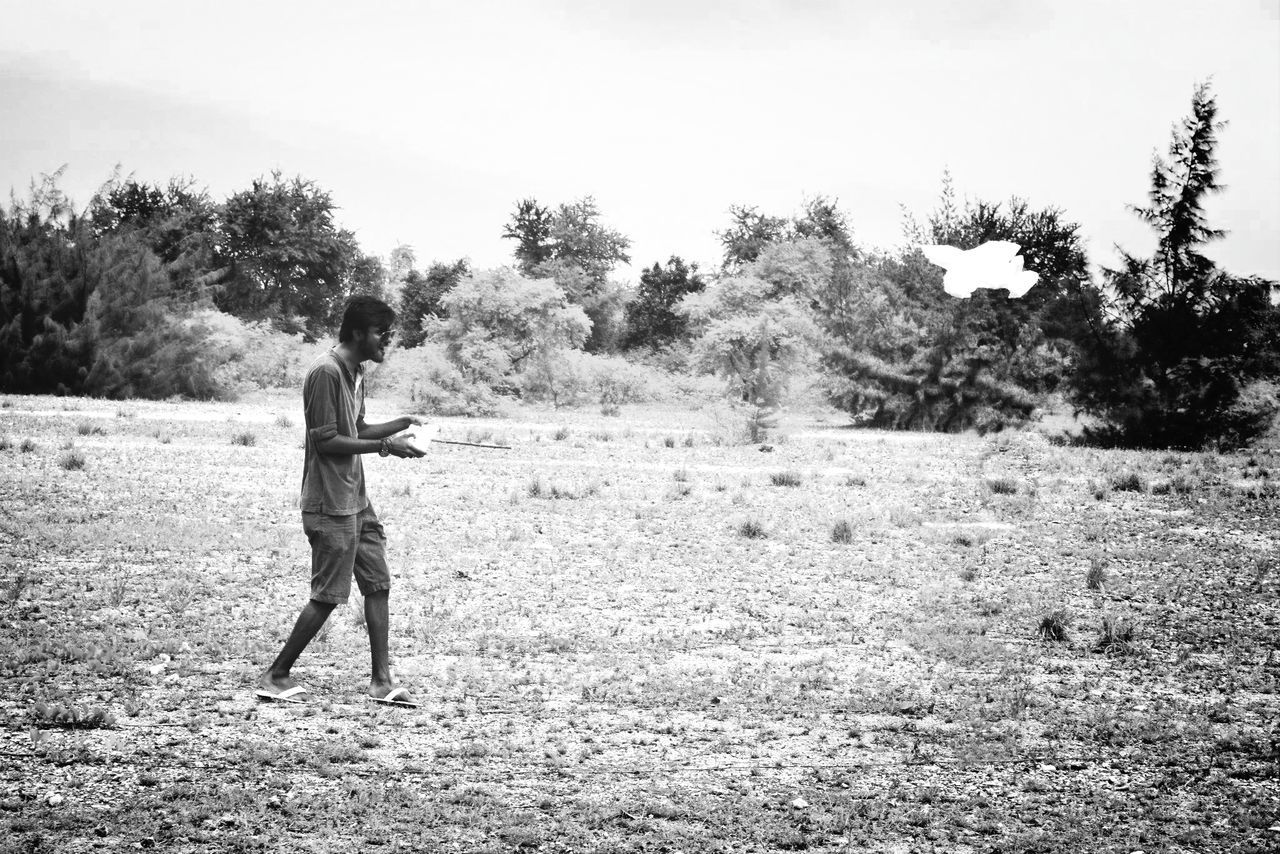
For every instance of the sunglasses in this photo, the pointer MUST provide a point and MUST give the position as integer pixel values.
(386, 337)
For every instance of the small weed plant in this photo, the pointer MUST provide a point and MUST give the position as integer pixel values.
(244, 438)
(752, 530)
(283, 420)
(785, 478)
(88, 428)
(27, 446)
(562, 433)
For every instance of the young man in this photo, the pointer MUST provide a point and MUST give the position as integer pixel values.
(346, 537)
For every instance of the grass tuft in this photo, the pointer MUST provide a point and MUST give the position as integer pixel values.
(1128, 481)
(283, 420)
(752, 530)
(1116, 637)
(27, 446)
(785, 478)
(1002, 486)
(669, 441)
(562, 433)
(5, 443)
(246, 438)
(1096, 576)
(1053, 626)
(842, 532)
(88, 428)
(72, 460)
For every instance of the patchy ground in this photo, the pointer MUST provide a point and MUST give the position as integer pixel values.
(633, 635)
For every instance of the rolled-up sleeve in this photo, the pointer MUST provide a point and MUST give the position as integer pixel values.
(320, 398)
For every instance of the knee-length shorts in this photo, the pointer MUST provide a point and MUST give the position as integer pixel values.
(346, 546)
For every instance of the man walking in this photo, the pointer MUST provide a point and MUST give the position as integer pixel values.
(345, 535)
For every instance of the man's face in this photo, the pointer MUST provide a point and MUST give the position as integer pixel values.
(374, 343)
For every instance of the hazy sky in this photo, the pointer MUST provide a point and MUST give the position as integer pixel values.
(428, 120)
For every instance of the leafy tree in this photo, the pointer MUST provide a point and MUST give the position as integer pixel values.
(46, 279)
(498, 321)
(421, 297)
(578, 237)
(756, 329)
(823, 220)
(86, 306)
(904, 354)
(575, 249)
(176, 222)
(531, 226)
(138, 325)
(652, 319)
(292, 264)
(748, 234)
(1184, 339)
(570, 245)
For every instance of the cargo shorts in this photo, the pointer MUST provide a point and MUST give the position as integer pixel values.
(342, 546)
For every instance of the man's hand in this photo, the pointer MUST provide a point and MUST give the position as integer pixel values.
(402, 446)
(413, 420)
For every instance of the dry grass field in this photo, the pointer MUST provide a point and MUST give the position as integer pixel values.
(634, 634)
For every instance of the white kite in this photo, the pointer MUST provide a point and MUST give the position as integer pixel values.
(995, 264)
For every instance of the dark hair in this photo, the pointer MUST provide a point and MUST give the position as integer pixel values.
(363, 312)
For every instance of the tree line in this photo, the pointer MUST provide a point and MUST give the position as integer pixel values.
(1166, 350)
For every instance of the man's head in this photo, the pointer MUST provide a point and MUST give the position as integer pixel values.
(367, 325)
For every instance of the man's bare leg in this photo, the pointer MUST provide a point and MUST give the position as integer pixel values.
(310, 621)
(377, 618)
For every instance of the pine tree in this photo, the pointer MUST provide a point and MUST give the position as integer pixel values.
(1185, 338)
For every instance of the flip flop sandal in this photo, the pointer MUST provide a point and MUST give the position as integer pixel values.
(285, 696)
(393, 698)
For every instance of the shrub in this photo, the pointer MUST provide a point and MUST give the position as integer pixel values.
(255, 355)
(785, 478)
(572, 378)
(498, 322)
(432, 383)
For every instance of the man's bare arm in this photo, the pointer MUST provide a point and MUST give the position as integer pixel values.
(397, 446)
(387, 428)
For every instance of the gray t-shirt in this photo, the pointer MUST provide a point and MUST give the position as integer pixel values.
(333, 404)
